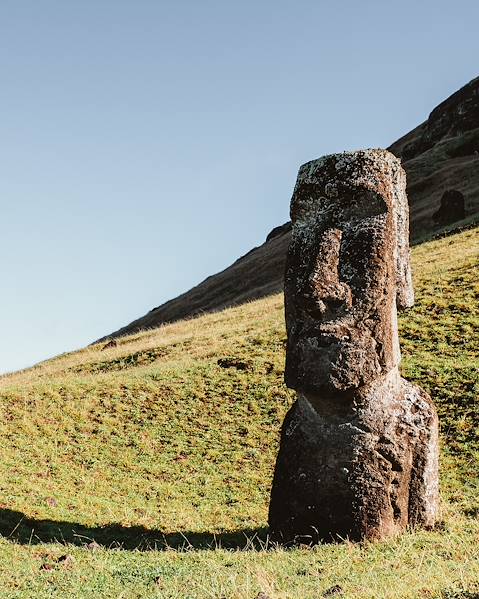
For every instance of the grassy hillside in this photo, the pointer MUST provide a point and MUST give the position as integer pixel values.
(144, 470)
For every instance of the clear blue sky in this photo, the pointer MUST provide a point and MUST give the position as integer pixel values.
(146, 144)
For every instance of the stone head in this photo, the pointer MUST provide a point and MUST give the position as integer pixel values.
(347, 271)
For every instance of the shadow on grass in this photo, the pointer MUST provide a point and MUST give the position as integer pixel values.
(19, 528)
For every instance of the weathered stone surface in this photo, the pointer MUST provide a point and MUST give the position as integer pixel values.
(347, 268)
(357, 469)
(451, 208)
(456, 115)
(359, 449)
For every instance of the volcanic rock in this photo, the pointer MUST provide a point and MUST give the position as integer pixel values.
(451, 208)
(359, 449)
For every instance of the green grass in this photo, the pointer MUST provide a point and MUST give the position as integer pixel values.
(165, 459)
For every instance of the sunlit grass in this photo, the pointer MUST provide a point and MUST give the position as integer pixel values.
(152, 444)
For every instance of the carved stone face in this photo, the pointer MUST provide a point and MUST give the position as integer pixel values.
(341, 275)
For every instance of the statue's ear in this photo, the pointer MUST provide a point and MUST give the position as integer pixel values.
(404, 286)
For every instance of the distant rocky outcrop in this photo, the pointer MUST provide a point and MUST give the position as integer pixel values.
(277, 231)
(439, 155)
(443, 154)
(451, 209)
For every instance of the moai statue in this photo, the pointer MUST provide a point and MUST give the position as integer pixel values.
(359, 448)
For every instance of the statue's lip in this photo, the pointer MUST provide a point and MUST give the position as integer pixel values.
(337, 330)
(326, 338)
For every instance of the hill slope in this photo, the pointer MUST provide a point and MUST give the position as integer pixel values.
(439, 155)
(154, 444)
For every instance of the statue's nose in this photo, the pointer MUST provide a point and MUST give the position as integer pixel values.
(324, 293)
(328, 297)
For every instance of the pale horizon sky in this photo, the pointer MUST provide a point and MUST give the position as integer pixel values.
(146, 145)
